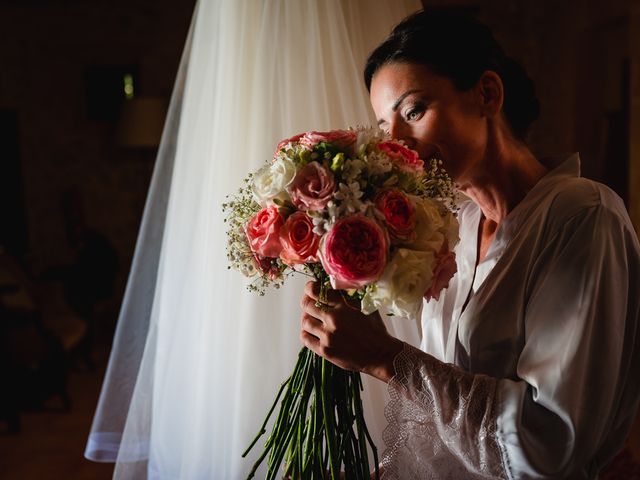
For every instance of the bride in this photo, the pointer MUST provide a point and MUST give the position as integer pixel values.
(529, 361)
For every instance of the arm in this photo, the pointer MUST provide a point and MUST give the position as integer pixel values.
(573, 373)
(575, 397)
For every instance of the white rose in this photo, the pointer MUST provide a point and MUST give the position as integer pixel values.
(401, 287)
(429, 225)
(451, 229)
(271, 181)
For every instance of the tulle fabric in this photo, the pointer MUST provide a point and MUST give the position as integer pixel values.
(197, 359)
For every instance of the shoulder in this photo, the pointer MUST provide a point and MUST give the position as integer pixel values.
(573, 200)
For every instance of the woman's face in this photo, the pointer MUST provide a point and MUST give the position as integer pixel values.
(431, 115)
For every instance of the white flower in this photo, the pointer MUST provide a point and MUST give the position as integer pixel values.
(430, 225)
(451, 229)
(271, 180)
(401, 287)
(322, 224)
(368, 135)
(378, 163)
(352, 170)
(349, 196)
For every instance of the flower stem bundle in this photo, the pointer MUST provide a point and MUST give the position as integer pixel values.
(319, 430)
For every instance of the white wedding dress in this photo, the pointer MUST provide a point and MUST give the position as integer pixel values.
(196, 359)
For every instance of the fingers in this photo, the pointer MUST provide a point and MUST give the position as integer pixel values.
(333, 299)
(312, 289)
(308, 305)
(315, 344)
(311, 342)
(313, 326)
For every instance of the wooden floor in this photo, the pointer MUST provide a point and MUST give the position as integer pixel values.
(50, 445)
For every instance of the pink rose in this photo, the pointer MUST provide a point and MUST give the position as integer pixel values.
(405, 158)
(263, 232)
(287, 141)
(312, 187)
(399, 213)
(354, 252)
(443, 272)
(299, 243)
(340, 138)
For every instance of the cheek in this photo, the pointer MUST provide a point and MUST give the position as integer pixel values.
(461, 139)
(466, 133)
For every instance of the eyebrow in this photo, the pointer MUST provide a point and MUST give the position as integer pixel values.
(397, 103)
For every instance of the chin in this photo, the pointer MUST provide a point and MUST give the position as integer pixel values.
(428, 152)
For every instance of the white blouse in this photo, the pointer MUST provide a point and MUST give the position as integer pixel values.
(538, 376)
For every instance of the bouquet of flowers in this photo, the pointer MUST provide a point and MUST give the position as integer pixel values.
(362, 214)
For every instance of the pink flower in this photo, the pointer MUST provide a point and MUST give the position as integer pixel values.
(405, 158)
(340, 138)
(263, 232)
(267, 266)
(399, 213)
(312, 187)
(299, 243)
(287, 141)
(354, 252)
(443, 272)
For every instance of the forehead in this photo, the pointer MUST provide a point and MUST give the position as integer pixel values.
(393, 80)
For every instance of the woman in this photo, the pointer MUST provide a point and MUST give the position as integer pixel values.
(529, 361)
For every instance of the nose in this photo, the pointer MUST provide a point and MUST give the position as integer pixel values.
(400, 130)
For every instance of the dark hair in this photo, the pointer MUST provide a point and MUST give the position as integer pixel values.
(457, 46)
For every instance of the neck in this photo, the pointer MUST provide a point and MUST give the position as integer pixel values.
(502, 178)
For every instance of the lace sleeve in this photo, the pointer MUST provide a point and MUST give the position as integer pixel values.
(441, 423)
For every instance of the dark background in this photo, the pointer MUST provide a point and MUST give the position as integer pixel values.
(72, 191)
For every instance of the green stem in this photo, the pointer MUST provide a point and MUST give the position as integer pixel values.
(360, 415)
(266, 420)
(327, 410)
(320, 425)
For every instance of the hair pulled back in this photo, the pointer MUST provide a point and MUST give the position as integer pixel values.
(459, 47)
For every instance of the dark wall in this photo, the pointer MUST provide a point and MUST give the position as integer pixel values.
(52, 52)
(577, 53)
(53, 55)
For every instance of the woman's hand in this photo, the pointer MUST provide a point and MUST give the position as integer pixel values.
(345, 336)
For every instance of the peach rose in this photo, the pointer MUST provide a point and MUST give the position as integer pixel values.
(299, 243)
(312, 187)
(406, 159)
(399, 213)
(444, 271)
(354, 252)
(340, 138)
(263, 232)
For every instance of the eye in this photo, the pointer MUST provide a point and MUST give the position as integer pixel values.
(414, 112)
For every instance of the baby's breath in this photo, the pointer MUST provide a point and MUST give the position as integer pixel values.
(239, 209)
(436, 184)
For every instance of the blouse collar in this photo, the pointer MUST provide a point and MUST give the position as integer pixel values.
(560, 167)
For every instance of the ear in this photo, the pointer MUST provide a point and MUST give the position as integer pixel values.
(491, 91)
